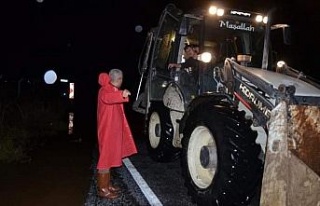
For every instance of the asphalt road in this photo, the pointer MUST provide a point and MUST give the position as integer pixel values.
(157, 183)
(162, 179)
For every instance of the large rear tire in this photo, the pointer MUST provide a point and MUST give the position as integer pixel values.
(160, 134)
(220, 159)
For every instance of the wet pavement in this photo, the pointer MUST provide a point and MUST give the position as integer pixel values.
(59, 174)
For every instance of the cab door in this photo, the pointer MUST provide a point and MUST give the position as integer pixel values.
(164, 41)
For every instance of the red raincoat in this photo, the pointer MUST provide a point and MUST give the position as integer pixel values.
(114, 135)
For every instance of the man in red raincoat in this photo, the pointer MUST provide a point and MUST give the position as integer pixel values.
(115, 139)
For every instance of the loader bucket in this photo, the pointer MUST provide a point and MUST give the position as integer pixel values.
(292, 163)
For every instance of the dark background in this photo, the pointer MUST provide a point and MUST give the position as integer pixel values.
(80, 38)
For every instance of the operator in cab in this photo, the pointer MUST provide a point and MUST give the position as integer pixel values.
(191, 64)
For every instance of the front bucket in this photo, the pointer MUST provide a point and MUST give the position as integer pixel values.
(292, 163)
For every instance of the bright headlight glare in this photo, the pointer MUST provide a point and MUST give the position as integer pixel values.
(206, 57)
(220, 12)
(259, 18)
(265, 19)
(281, 64)
(213, 10)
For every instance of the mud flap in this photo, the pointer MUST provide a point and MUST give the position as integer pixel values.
(292, 165)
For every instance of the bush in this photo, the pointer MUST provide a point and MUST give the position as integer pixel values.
(14, 145)
(27, 122)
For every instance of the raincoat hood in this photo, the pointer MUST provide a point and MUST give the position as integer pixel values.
(104, 79)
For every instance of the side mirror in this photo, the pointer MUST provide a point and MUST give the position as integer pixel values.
(286, 32)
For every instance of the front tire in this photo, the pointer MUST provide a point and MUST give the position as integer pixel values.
(160, 134)
(220, 159)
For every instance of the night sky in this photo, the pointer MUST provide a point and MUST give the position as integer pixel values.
(77, 36)
(80, 38)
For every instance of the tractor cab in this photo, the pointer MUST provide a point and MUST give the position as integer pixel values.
(219, 33)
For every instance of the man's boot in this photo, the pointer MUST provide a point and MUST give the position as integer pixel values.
(113, 187)
(104, 186)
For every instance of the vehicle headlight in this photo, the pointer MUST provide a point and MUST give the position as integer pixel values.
(206, 57)
(260, 18)
(213, 10)
(220, 12)
(281, 64)
(265, 19)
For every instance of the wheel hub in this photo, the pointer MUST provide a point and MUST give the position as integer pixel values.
(157, 130)
(202, 157)
(154, 130)
(208, 157)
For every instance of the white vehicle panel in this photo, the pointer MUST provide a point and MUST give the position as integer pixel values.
(276, 79)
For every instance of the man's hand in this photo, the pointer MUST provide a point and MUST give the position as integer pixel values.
(126, 93)
(174, 65)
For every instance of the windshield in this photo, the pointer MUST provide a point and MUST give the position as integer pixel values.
(224, 38)
(229, 38)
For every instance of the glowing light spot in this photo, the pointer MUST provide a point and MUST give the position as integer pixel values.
(50, 77)
(138, 28)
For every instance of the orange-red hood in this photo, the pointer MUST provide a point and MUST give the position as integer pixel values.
(104, 79)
